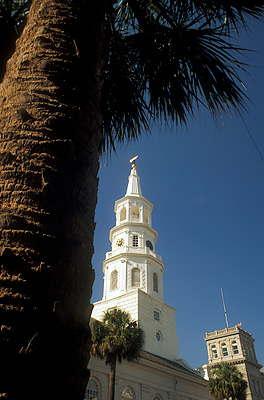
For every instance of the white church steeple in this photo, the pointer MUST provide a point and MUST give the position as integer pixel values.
(133, 272)
(133, 242)
(133, 187)
(133, 207)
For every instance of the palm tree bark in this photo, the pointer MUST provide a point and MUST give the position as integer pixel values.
(112, 377)
(50, 130)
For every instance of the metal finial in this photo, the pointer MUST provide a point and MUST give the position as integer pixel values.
(133, 159)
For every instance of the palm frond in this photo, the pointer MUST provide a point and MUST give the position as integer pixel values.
(116, 335)
(226, 381)
(167, 59)
(228, 14)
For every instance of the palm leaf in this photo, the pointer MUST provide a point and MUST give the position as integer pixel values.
(167, 59)
(116, 335)
(226, 381)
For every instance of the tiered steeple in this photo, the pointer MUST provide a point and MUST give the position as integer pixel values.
(133, 238)
(133, 272)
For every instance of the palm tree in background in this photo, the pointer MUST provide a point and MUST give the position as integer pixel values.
(116, 338)
(82, 79)
(227, 382)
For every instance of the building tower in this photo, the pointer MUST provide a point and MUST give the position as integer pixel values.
(133, 282)
(236, 346)
(133, 273)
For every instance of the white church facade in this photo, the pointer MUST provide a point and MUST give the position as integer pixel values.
(133, 281)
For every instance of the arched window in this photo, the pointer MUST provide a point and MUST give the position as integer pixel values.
(135, 240)
(155, 282)
(123, 214)
(149, 244)
(251, 355)
(114, 280)
(224, 350)
(135, 213)
(259, 388)
(244, 350)
(146, 216)
(92, 391)
(235, 347)
(157, 398)
(128, 394)
(135, 277)
(214, 351)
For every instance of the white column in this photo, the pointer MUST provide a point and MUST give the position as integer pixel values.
(141, 216)
(129, 212)
(147, 276)
(124, 275)
(118, 216)
(150, 218)
(105, 283)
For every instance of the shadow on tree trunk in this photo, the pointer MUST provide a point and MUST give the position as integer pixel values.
(50, 134)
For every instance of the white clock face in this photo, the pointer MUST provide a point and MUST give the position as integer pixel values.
(120, 242)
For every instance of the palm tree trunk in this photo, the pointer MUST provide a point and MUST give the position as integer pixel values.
(112, 377)
(50, 130)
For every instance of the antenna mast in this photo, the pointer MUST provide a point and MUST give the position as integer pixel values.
(224, 308)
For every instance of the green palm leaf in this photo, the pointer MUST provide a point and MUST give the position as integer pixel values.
(226, 381)
(116, 334)
(116, 338)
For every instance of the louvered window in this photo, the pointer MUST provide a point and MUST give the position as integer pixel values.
(136, 277)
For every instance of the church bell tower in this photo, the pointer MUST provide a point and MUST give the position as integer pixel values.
(236, 346)
(133, 273)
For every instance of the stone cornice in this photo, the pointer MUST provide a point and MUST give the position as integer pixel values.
(127, 255)
(133, 198)
(131, 225)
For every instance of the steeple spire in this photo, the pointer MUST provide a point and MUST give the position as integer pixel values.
(133, 272)
(133, 187)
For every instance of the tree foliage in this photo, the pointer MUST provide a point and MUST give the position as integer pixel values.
(117, 334)
(227, 382)
(116, 338)
(168, 58)
(163, 59)
(79, 81)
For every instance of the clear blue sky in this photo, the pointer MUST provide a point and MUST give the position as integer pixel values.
(207, 187)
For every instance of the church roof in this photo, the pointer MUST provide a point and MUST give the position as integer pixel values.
(180, 365)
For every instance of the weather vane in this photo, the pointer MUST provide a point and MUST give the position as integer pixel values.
(133, 159)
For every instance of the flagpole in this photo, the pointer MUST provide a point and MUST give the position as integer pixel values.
(224, 308)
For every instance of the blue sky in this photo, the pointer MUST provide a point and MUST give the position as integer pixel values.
(207, 187)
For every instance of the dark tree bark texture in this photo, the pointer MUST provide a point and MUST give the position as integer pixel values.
(50, 130)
